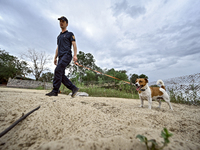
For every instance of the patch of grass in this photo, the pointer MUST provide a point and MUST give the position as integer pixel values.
(40, 88)
(102, 92)
(96, 91)
(184, 97)
(154, 145)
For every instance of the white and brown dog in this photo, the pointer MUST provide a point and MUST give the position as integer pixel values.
(151, 93)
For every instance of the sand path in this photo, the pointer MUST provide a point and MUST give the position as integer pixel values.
(92, 123)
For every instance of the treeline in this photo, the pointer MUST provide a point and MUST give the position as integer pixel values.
(86, 76)
(11, 66)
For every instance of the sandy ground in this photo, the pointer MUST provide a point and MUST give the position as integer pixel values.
(92, 123)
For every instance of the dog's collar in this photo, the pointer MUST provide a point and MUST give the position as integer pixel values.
(143, 89)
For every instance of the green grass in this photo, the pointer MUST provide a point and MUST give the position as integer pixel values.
(40, 88)
(96, 91)
(185, 97)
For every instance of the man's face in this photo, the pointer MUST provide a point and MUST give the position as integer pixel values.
(63, 24)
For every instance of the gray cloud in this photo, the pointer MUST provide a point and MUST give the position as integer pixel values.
(159, 39)
(24, 27)
(124, 7)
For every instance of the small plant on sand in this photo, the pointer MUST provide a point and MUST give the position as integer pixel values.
(154, 145)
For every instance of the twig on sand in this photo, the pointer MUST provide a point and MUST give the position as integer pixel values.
(16, 122)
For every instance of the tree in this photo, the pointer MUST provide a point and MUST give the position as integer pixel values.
(89, 76)
(47, 77)
(121, 74)
(38, 62)
(87, 60)
(143, 76)
(135, 76)
(11, 66)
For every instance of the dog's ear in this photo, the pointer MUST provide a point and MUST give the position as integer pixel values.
(146, 80)
(135, 80)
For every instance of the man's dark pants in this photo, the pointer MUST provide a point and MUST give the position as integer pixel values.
(59, 73)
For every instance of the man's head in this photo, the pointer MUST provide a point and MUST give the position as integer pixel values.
(63, 22)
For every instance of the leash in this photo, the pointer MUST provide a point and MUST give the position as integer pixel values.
(76, 63)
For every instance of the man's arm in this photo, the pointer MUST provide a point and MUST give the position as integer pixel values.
(75, 51)
(56, 55)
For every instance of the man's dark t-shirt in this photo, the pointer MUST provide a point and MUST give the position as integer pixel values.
(64, 42)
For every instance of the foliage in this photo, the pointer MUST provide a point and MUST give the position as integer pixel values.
(38, 62)
(121, 86)
(40, 88)
(135, 76)
(46, 77)
(143, 76)
(100, 80)
(188, 96)
(154, 145)
(10, 66)
(121, 74)
(97, 91)
(87, 76)
(76, 78)
(87, 60)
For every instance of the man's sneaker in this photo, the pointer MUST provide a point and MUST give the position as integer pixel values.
(74, 91)
(52, 94)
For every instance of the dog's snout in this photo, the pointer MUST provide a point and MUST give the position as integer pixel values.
(136, 84)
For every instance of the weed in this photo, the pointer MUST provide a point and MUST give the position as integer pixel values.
(185, 96)
(40, 88)
(154, 145)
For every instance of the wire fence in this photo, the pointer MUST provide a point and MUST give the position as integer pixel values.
(185, 89)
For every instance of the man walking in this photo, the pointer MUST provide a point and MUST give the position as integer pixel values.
(64, 41)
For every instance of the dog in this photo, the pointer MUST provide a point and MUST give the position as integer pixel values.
(151, 93)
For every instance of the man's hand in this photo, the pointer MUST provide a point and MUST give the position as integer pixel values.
(55, 61)
(75, 58)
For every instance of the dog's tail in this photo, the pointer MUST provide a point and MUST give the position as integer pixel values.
(161, 83)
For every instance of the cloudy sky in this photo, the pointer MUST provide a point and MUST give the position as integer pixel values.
(158, 38)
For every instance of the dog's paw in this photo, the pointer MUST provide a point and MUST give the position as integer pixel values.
(141, 106)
